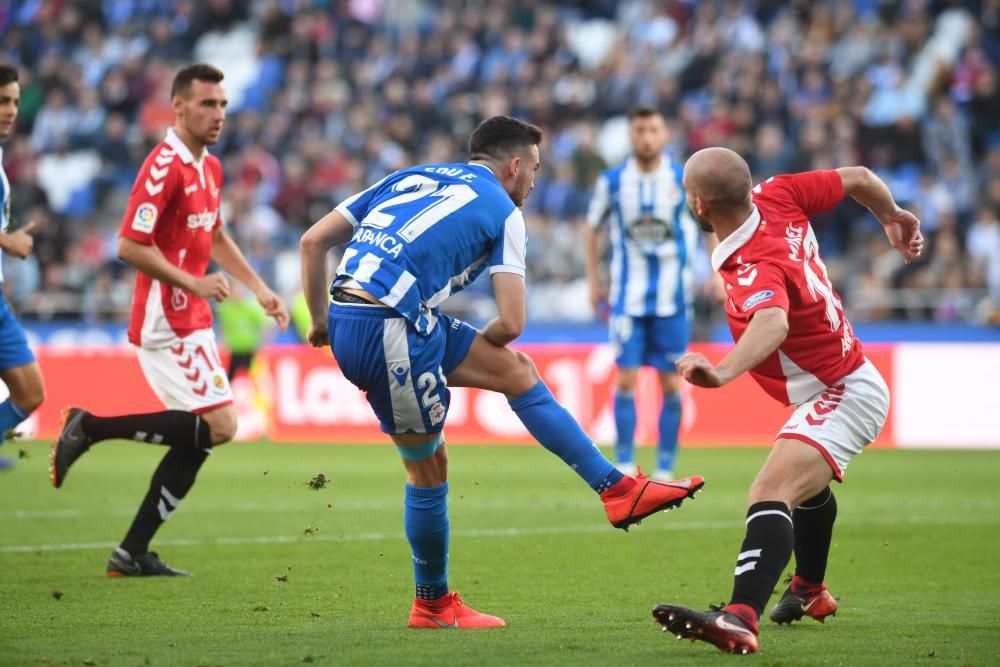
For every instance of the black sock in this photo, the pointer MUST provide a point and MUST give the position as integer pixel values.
(765, 553)
(170, 428)
(171, 482)
(813, 529)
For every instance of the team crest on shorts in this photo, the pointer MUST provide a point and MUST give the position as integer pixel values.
(220, 384)
(436, 413)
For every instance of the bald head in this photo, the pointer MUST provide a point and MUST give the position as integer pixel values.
(718, 184)
(719, 176)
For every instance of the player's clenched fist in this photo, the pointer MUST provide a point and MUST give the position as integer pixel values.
(212, 286)
(318, 336)
(698, 370)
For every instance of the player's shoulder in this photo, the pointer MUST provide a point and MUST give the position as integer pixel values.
(765, 245)
(162, 155)
(613, 173)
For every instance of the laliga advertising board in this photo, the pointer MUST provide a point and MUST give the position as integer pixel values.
(297, 394)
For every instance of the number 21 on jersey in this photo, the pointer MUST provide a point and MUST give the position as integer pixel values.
(444, 200)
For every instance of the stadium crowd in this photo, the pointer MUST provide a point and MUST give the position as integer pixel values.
(327, 96)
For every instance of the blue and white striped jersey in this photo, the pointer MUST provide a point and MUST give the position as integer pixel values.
(4, 206)
(653, 238)
(424, 233)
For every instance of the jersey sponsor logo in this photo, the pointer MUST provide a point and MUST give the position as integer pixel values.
(793, 236)
(206, 220)
(144, 219)
(191, 188)
(758, 298)
(387, 243)
(650, 230)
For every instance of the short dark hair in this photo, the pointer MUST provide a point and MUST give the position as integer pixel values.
(500, 137)
(196, 72)
(643, 112)
(8, 74)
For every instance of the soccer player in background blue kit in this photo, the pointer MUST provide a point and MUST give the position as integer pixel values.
(18, 368)
(653, 240)
(414, 238)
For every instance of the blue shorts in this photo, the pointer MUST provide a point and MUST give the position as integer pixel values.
(649, 341)
(14, 350)
(403, 373)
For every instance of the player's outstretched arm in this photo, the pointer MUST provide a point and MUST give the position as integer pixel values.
(509, 292)
(901, 226)
(331, 230)
(767, 330)
(231, 259)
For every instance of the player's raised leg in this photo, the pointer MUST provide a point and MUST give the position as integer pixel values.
(627, 499)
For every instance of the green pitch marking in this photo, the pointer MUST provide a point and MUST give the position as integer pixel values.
(287, 574)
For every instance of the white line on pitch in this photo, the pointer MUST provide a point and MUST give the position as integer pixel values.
(364, 537)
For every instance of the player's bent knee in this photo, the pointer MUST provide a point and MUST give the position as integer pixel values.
(30, 400)
(222, 424)
(523, 374)
(626, 380)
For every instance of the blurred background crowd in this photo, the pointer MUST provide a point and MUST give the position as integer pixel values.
(327, 96)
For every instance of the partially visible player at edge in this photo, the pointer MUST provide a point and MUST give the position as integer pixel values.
(414, 238)
(170, 231)
(18, 368)
(653, 241)
(793, 337)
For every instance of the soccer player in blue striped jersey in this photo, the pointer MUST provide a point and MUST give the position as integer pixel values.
(653, 240)
(18, 368)
(413, 239)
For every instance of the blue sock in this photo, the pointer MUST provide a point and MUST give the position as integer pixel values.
(425, 517)
(10, 416)
(554, 427)
(670, 424)
(625, 428)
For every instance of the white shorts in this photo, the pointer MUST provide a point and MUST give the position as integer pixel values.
(843, 419)
(188, 375)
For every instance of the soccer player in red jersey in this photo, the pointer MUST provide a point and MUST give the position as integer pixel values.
(170, 232)
(792, 336)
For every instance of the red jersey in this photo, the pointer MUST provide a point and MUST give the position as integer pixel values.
(772, 260)
(174, 205)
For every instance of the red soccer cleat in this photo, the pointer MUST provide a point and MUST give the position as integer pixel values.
(801, 599)
(725, 630)
(449, 612)
(628, 504)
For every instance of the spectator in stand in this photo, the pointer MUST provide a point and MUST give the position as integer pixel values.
(329, 96)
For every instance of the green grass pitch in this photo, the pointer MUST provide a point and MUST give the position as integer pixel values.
(914, 562)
